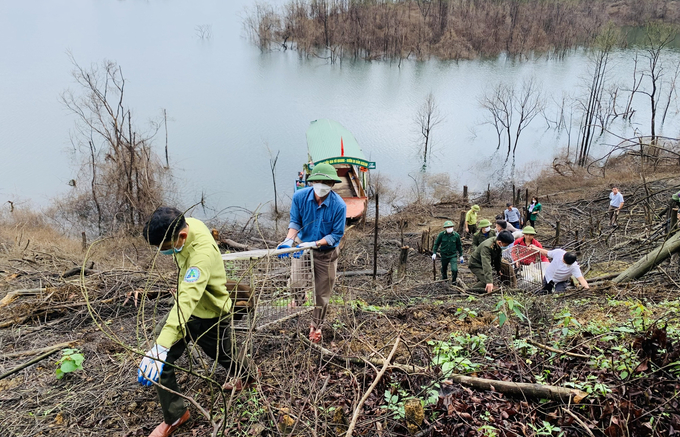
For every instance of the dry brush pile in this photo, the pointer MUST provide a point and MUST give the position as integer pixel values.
(396, 353)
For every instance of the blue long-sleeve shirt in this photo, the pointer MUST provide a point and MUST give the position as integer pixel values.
(512, 215)
(313, 221)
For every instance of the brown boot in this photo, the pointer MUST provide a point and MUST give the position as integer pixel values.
(165, 430)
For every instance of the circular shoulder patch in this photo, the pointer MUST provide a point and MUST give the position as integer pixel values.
(192, 274)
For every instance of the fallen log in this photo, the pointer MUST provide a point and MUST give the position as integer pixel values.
(506, 387)
(649, 261)
(521, 389)
(38, 351)
(12, 295)
(352, 273)
(49, 352)
(76, 271)
(233, 244)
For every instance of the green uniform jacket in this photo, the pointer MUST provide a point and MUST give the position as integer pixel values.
(471, 217)
(479, 237)
(488, 257)
(450, 244)
(536, 210)
(201, 284)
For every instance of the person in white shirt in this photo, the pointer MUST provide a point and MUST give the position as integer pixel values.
(560, 270)
(615, 205)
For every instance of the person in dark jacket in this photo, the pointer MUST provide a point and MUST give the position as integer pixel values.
(450, 248)
(483, 233)
(487, 259)
(534, 209)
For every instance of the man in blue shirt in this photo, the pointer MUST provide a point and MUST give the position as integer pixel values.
(512, 215)
(317, 221)
(615, 205)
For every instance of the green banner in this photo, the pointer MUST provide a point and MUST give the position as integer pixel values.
(349, 160)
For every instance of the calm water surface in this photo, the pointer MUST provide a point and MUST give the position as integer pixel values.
(227, 102)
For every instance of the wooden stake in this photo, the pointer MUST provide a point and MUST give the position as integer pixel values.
(403, 259)
(465, 193)
(461, 223)
(557, 233)
(488, 193)
(375, 236)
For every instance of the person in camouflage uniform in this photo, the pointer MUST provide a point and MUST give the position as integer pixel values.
(483, 233)
(487, 259)
(450, 248)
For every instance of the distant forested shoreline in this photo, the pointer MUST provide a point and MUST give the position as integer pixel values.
(445, 29)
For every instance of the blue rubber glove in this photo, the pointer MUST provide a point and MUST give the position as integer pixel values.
(152, 365)
(462, 260)
(309, 245)
(287, 244)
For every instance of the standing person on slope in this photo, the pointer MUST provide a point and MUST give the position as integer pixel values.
(450, 248)
(201, 314)
(534, 209)
(317, 222)
(471, 220)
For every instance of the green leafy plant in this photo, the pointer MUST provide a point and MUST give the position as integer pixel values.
(546, 429)
(70, 361)
(506, 307)
(454, 355)
(464, 313)
(488, 431)
(568, 324)
(395, 402)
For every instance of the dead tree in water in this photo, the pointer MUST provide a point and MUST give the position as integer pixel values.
(428, 118)
(512, 111)
(592, 105)
(658, 38)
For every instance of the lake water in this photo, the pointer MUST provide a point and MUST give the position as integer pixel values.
(227, 102)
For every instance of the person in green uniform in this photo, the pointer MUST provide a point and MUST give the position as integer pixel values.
(471, 220)
(201, 313)
(534, 209)
(483, 233)
(450, 248)
(486, 260)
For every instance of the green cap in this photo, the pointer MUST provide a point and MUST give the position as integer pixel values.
(323, 172)
(484, 223)
(475, 208)
(448, 224)
(528, 230)
(676, 197)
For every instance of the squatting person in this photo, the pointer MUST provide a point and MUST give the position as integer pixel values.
(201, 313)
(450, 248)
(487, 259)
(317, 222)
(562, 267)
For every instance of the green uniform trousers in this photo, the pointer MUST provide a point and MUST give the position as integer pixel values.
(479, 273)
(215, 340)
(453, 260)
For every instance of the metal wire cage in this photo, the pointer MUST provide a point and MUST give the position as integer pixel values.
(525, 268)
(267, 289)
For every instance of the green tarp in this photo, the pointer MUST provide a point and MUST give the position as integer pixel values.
(328, 141)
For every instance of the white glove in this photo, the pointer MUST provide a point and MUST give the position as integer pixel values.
(462, 260)
(152, 365)
(434, 256)
(309, 245)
